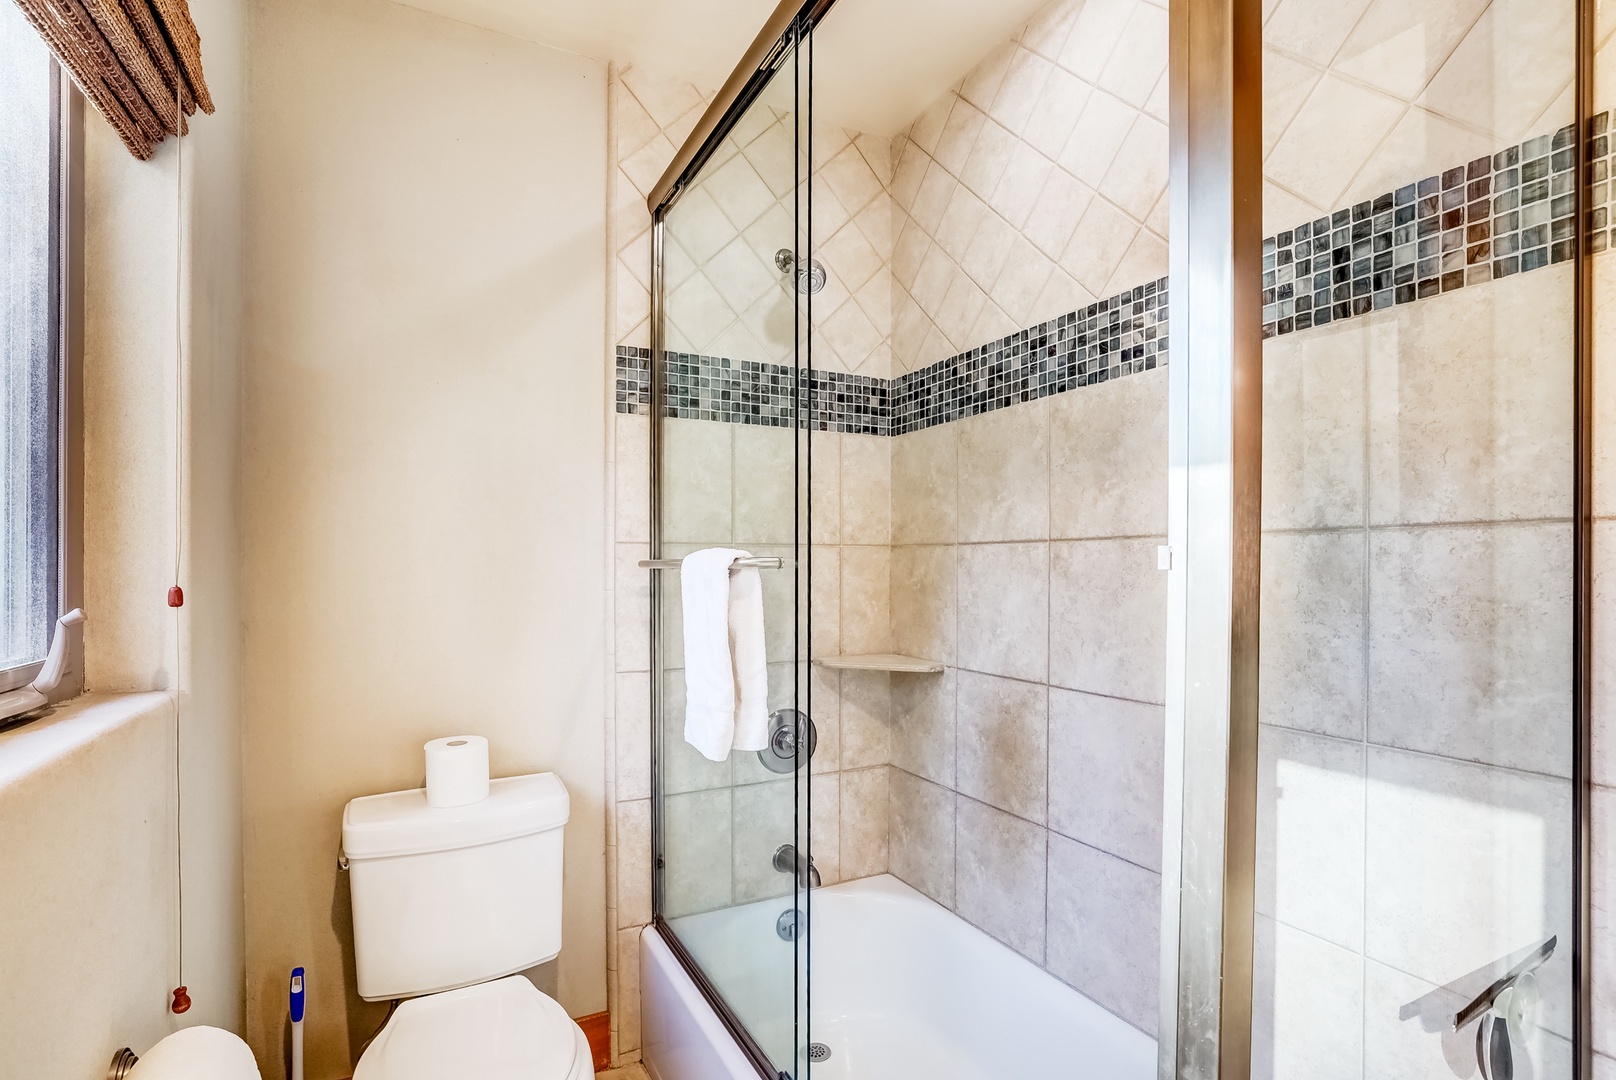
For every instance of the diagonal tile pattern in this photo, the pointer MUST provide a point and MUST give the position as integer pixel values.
(1036, 185)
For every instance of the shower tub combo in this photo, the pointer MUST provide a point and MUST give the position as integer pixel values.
(900, 987)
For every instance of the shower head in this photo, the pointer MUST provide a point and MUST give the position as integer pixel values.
(810, 279)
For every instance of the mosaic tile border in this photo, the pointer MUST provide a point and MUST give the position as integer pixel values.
(1508, 213)
(748, 392)
(1118, 336)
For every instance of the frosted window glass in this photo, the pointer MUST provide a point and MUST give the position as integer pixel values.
(28, 336)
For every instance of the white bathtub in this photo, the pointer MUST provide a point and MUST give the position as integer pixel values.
(900, 987)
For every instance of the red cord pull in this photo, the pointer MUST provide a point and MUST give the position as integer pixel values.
(182, 1001)
(176, 598)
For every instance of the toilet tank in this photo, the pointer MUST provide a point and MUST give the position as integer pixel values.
(447, 897)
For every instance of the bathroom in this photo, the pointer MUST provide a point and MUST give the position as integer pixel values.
(1226, 701)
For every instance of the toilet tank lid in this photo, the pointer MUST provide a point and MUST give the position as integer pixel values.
(401, 822)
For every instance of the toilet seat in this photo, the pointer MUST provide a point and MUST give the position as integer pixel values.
(501, 1030)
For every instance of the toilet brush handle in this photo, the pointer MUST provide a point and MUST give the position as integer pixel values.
(296, 1004)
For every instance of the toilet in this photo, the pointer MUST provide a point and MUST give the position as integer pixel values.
(449, 904)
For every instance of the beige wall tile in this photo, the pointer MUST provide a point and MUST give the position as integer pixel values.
(824, 484)
(1108, 459)
(863, 828)
(1305, 990)
(1108, 618)
(824, 705)
(1310, 834)
(697, 844)
(824, 798)
(1313, 621)
(1004, 600)
(866, 512)
(1470, 643)
(866, 623)
(627, 1018)
(1340, 125)
(1104, 929)
(631, 606)
(1314, 427)
(631, 478)
(924, 604)
(999, 876)
(1105, 774)
(765, 816)
(633, 863)
(1604, 330)
(925, 486)
(1486, 872)
(923, 725)
(825, 600)
(1604, 654)
(1455, 433)
(633, 741)
(922, 827)
(765, 483)
(1003, 732)
(780, 612)
(1004, 474)
(696, 482)
(866, 712)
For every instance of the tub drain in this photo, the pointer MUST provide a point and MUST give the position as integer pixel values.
(818, 1052)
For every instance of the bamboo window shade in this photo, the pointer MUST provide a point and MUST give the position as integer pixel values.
(139, 62)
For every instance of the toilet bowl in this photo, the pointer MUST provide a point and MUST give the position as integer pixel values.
(502, 1030)
(448, 904)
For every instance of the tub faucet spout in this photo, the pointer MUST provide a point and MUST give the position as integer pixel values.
(788, 860)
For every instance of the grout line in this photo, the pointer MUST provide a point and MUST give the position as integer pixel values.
(1428, 755)
(1415, 526)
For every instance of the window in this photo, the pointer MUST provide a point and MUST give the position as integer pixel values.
(31, 348)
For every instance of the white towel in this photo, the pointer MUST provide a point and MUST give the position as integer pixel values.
(726, 667)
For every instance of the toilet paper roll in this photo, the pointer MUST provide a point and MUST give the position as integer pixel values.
(197, 1053)
(456, 770)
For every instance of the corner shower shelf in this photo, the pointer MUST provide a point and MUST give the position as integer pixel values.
(881, 662)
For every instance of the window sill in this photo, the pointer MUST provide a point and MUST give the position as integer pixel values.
(36, 747)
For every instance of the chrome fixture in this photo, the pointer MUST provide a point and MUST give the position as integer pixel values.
(810, 279)
(818, 1052)
(792, 739)
(790, 925)
(674, 564)
(123, 1063)
(788, 860)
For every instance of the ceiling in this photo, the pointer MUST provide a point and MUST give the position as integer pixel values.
(877, 63)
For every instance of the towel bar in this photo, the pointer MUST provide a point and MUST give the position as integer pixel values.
(673, 564)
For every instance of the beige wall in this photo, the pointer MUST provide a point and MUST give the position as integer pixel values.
(87, 839)
(422, 466)
(99, 884)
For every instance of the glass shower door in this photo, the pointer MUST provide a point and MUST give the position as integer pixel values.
(733, 859)
(1415, 818)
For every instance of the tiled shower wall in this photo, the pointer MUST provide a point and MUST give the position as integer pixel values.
(1036, 186)
(1027, 788)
